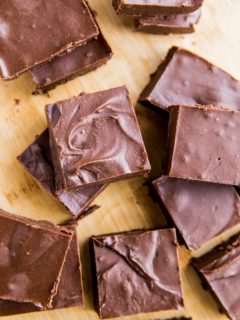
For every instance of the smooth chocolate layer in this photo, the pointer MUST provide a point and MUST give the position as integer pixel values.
(199, 210)
(137, 272)
(155, 7)
(166, 24)
(78, 62)
(69, 293)
(187, 79)
(220, 271)
(32, 257)
(38, 161)
(203, 144)
(38, 30)
(95, 138)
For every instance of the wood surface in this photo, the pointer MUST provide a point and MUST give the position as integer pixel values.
(124, 205)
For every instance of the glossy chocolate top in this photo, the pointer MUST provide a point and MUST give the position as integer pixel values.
(155, 7)
(35, 31)
(95, 138)
(80, 60)
(30, 250)
(203, 144)
(199, 210)
(140, 267)
(37, 160)
(220, 268)
(187, 79)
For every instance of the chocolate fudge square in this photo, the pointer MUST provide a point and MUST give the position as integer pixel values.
(155, 7)
(79, 61)
(38, 162)
(69, 292)
(36, 31)
(220, 272)
(185, 78)
(32, 257)
(203, 144)
(169, 24)
(199, 210)
(136, 272)
(95, 138)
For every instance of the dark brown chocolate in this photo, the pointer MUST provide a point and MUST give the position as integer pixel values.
(32, 257)
(69, 293)
(38, 30)
(199, 210)
(137, 272)
(220, 272)
(155, 7)
(167, 24)
(37, 160)
(79, 61)
(95, 138)
(187, 79)
(204, 145)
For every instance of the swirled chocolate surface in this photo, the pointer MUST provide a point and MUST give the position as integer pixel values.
(35, 31)
(137, 272)
(38, 161)
(95, 138)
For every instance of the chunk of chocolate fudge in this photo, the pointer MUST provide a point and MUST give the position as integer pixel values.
(37, 160)
(95, 138)
(220, 272)
(32, 258)
(203, 144)
(136, 272)
(166, 24)
(155, 7)
(187, 79)
(79, 61)
(199, 210)
(36, 31)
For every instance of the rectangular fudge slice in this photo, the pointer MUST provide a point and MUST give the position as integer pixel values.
(194, 207)
(155, 7)
(220, 272)
(203, 144)
(38, 162)
(95, 138)
(70, 291)
(36, 31)
(136, 272)
(166, 24)
(187, 79)
(32, 257)
(79, 61)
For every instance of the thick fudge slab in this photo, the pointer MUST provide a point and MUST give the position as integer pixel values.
(38, 30)
(70, 291)
(155, 7)
(79, 61)
(137, 272)
(187, 79)
(95, 138)
(220, 272)
(166, 24)
(32, 257)
(203, 144)
(195, 208)
(37, 160)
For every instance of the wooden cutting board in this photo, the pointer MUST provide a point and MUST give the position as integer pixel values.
(124, 205)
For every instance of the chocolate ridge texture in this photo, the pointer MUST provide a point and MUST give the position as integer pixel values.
(95, 138)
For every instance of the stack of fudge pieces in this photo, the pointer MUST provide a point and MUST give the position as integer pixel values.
(63, 45)
(161, 17)
(40, 266)
(198, 189)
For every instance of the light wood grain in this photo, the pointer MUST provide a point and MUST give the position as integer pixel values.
(125, 205)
